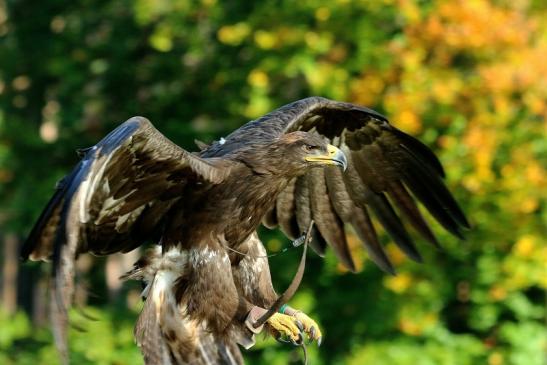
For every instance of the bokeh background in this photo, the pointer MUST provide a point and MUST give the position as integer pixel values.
(469, 78)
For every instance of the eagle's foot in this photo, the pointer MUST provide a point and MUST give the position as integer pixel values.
(285, 328)
(310, 327)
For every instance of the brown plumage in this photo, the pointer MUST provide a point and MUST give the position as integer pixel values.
(136, 186)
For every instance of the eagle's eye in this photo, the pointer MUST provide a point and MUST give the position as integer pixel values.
(310, 148)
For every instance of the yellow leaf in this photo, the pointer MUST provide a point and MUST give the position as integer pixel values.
(264, 39)
(258, 78)
(399, 283)
(322, 14)
(409, 121)
(495, 358)
(525, 246)
(233, 35)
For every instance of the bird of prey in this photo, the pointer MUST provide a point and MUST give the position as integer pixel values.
(207, 277)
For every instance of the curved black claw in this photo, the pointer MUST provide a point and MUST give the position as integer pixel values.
(300, 340)
(279, 338)
(311, 336)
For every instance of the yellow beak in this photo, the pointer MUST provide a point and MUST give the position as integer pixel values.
(334, 156)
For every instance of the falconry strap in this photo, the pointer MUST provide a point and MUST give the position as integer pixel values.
(291, 290)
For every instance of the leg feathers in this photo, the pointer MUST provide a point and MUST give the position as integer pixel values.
(167, 336)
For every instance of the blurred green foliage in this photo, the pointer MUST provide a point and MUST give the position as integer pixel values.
(466, 77)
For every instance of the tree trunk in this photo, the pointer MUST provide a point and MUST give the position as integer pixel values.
(9, 273)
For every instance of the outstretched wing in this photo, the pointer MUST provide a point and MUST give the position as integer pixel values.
(386, 168)
(113, 201)
(119, 192)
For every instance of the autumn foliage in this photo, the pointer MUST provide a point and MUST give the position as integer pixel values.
(469, 78)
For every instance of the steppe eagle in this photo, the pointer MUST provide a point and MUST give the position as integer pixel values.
(207, 277)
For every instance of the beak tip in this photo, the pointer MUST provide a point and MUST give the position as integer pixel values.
(342, 160)
(338, 157)
(335, 156)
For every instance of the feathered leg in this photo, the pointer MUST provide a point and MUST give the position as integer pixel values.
(167, 331)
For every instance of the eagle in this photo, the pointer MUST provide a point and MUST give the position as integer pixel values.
(206, 274)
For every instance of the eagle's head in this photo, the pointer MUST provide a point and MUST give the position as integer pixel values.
(290, 155)
(304, 150)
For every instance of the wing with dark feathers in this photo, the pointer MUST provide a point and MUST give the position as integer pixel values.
(119, 191)
(388, 172)
(113, 201)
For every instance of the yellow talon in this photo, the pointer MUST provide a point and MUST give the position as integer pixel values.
(311, 328)
(283, 325)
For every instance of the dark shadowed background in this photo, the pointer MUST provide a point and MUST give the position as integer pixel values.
(469, 78)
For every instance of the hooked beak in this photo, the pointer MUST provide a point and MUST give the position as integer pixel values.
(334, 156)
